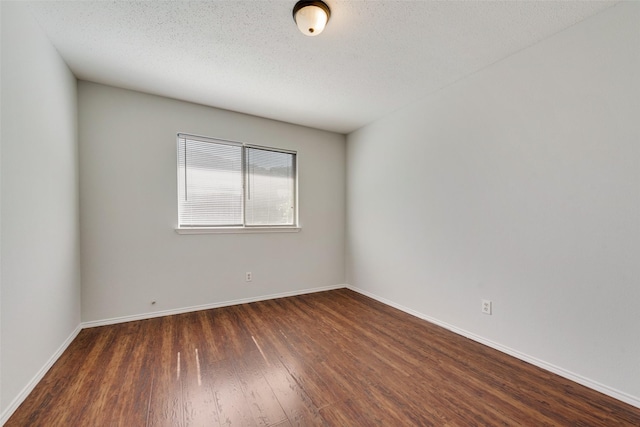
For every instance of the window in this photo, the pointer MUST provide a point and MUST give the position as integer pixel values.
(229, 184)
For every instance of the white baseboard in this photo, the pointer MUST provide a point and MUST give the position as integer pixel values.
(594, 385)
(6, 414)
(144, 316)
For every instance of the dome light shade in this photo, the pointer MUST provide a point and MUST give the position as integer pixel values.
(311, 16)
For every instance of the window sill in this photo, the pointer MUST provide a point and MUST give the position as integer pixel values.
(232, 230)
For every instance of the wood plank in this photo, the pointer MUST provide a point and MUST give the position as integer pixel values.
(232, 404)
(200, 408)
(166, 406)
(264, 405)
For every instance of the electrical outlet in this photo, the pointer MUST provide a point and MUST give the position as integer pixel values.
(486, 306)
(248, 276)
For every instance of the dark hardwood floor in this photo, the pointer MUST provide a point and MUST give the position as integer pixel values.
(333, 358)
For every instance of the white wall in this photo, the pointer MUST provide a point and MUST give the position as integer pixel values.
(131, 254)
(519, 184)
(40, 302)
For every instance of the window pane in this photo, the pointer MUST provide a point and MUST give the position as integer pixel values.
(210, 183)
(270, 187)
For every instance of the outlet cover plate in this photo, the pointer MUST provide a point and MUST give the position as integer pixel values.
(486, 306)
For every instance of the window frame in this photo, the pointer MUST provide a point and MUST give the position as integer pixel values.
(244, 228)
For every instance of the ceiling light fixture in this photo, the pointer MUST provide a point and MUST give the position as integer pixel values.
(311, 16)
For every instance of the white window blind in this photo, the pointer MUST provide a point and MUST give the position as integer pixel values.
(227, 184)
(270, 187)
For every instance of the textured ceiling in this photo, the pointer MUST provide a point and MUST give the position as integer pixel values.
(248, 56)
